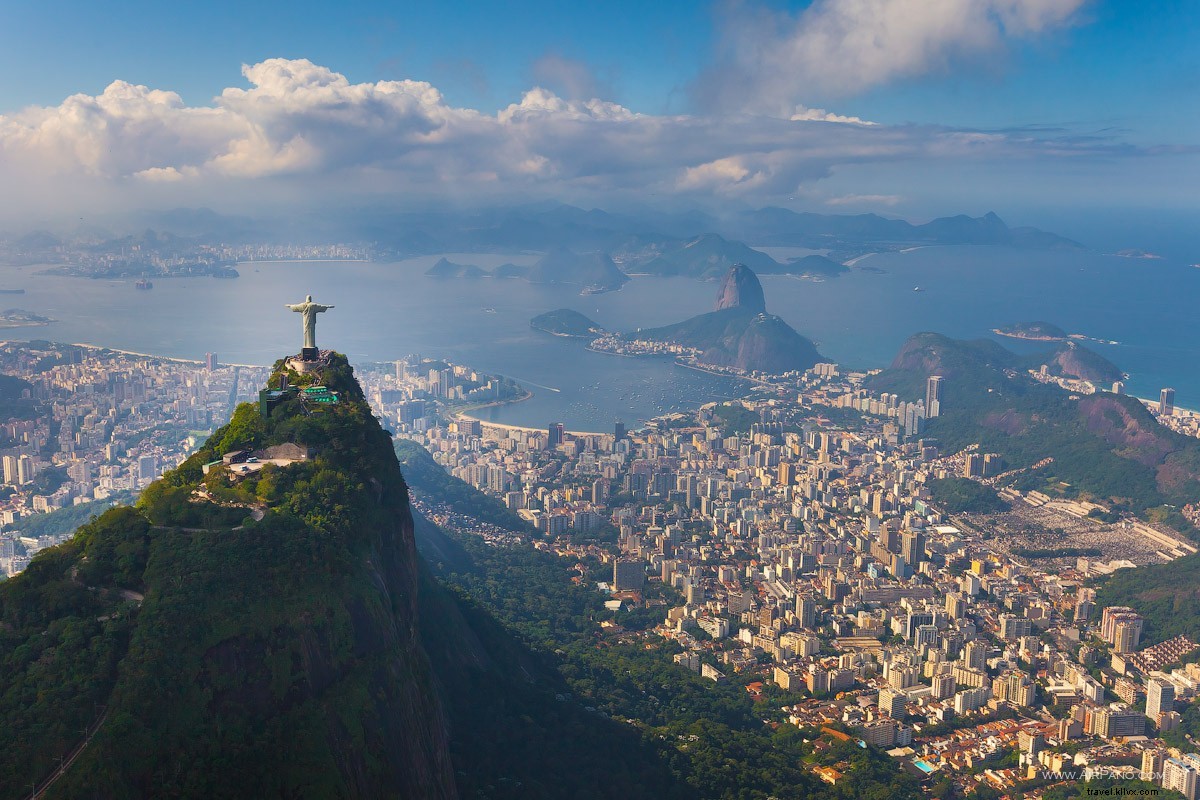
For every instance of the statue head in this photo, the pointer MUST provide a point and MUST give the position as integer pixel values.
(308, 299)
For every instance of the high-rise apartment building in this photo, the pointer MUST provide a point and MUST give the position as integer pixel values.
(1166, 402)
(933, 396)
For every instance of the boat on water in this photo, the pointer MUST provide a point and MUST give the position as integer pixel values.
(918, 289)
(142, 283)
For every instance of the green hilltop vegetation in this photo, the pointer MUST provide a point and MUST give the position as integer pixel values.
(963, 495)
(1167, 595)
(66, 520)
(228, 655)
(1105, 447)
(566, 322)
(815, 266)
(275, 634)
(1042, 331)
(15, 398)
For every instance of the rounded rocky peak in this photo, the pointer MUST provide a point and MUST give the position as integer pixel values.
(741, 289)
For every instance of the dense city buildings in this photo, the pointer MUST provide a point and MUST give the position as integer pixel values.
(789, 548)
(791, 538)
(98, 425)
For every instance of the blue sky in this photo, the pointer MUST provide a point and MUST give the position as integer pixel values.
(1033, 103)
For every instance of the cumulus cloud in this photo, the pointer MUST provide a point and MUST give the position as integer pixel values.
(772, 59)
(303, 128)
(821, 115)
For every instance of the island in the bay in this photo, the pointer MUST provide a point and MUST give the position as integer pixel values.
(1033, 331)
(19, 318)
(567, 322)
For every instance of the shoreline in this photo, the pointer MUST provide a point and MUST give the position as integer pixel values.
(308, 261)
(1026, 337)
(1191, 412)
(465, 410)
(90, 346)
(509, 427)
(714, 371)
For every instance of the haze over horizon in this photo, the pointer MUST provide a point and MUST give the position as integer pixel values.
(1034, 108)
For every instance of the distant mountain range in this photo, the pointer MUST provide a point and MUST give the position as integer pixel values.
(691, 243)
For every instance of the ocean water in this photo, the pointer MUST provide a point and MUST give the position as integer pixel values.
(386, 311)
(1149, 306)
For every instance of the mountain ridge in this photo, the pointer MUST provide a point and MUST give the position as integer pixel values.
(1103, 446)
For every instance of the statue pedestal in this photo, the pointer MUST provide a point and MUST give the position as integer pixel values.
(301, 366)
(308, 361)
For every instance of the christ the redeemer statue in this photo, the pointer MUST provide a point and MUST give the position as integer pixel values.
(310, 310)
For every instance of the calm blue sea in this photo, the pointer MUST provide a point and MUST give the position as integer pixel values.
(386, 311)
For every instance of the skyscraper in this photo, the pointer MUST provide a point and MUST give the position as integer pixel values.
(210, 361)
(912, 547)
(619, 431)
(806, 610)
(1160, 697)
(933, 396)
(555, 432)
(1166, 402)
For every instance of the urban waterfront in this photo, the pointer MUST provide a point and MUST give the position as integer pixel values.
(386, 311)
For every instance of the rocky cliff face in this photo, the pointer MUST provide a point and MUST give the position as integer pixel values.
(741, 289)
(1073, 361)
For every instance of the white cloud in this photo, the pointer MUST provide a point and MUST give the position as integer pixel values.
(839, 47)
(821, 115)
(301, 129)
